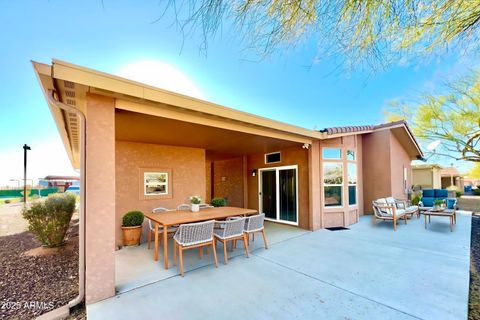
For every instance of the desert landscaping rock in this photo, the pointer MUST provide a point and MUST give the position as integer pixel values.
(34, 279)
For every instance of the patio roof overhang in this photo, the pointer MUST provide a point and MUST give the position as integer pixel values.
(72, 83)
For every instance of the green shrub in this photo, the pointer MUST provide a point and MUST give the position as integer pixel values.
(438, 202)
(8, 201)
(49, 220)
(218, 202)
(132, 219)
(458, 194)
(416, 199)
(476, 192)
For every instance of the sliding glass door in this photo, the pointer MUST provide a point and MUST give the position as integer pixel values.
(278, 193)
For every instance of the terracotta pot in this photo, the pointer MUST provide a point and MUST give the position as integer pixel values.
(131, 235)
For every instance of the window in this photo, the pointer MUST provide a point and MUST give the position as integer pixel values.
(155, 183)
(332, 153)
(273, 157)
(333, 183)
(352, 183)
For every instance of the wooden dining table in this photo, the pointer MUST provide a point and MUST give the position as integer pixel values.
(176, 217)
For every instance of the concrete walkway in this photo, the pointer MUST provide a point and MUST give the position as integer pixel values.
(11, 221)
(368, 272)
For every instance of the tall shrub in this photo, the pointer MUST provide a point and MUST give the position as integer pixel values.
(49, 220)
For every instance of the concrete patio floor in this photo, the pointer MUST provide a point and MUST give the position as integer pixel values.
(367, 272)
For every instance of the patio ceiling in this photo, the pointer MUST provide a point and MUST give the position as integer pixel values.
(219, 143)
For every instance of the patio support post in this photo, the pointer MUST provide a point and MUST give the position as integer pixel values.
(245, 182)
(315, 214)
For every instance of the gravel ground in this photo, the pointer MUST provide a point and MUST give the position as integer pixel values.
(474, 298)
(34, 279)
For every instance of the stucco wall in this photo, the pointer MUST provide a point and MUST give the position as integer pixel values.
(376, 167)
(188, 177)
(399, 160)
(423, 177)
(228, 180)
(100, 198)
(290, 156)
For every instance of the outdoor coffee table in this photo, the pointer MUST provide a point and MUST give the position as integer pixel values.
(449, 213)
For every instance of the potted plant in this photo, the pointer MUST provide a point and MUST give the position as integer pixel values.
(219, 202)
(195, 201)
(132, 228)
(438, 204)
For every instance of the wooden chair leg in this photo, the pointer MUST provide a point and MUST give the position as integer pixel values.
(149, 238)
(225, 258)
(214, 249)
(405, 219)
(394, 224)
(200, 253)
(180, 253)
(253, 237)
(264, 239)
(174, 252)
(245, 244)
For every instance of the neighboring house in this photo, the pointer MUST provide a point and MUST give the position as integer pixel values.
(147, 147)
(427, 176)
(451, 177)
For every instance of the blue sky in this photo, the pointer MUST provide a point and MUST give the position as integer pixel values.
(119, 33)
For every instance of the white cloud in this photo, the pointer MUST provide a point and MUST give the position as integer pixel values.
(47, 157)
(161, 75)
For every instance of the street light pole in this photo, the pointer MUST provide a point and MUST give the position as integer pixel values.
(25, 149)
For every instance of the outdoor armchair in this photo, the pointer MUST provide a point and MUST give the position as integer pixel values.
(183, 206)
(151, 226)
(230, 230)
(383, 210)
(193, 235)
(255, 224)
(410, 210)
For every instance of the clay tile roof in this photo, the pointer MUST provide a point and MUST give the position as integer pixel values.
(349, 129)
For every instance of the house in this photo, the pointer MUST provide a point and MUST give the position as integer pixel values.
(451, 177)
(60, 182)
(427, 176)
(146, 147)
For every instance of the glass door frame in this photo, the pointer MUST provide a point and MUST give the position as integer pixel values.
(277, 190)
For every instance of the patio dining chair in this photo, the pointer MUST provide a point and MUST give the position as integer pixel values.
(230, 230)
(204, 206)
(255, 224)
(151, 226)
(193, 235)
(183, 206)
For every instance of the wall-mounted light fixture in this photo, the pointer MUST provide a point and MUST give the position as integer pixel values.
(254, 172)
(305, 146)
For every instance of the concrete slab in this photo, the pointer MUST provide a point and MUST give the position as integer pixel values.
(367, 272)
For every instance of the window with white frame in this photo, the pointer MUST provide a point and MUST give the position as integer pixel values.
(332, 183)
(352, 183)
(155, 183)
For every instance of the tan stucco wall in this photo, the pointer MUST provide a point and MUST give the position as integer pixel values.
(228, 180)
(399, 160)
(290, 156)
(188, 177)
(345, 215)
(376, 167)
(100, 198)
(423, 177)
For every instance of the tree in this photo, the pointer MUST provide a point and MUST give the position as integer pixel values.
(452, 117)
(474, 172)
(370, 31)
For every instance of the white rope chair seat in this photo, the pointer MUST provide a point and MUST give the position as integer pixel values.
(231, 229)
(183, 206)
(204, 206)
(194, 233)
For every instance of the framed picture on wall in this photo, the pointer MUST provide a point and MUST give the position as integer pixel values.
(155, 183)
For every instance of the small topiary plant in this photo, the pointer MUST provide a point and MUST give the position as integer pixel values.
(438, 202)
(49, 220)
(132, 219)
(218, 202)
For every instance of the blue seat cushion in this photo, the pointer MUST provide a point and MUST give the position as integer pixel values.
(451, 203)
(428, 201)
(428, 193)
(441, 193)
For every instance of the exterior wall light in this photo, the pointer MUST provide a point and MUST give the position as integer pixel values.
(254, 172)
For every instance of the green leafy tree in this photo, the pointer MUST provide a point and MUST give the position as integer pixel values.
(369, 31)
(452, 117)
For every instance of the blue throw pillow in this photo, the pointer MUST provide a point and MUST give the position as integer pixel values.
(451, 203)
(428, 193)
(428, 202)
